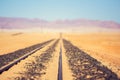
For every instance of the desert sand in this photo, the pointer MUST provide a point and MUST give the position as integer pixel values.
(10, 42)
(20, 67)
(102, 46)
(52, 70)
(52, 67)
(105, 47)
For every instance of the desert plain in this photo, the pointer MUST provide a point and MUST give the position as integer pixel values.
(104, 47)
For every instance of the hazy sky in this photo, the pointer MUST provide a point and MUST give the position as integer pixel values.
(61, 9)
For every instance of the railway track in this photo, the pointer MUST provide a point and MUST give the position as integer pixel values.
(60, 65)
(82, 65)
(85, 67)
(35, 69)
(10, 59)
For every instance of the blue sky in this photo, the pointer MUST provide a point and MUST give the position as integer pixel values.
(62, 9)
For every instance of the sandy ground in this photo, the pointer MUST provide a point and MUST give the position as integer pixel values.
(12, 72)
(10, 42)
(52, 70)
(67, 74)
(52, 67)
(105, 47)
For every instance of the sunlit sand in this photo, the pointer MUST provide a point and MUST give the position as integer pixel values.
(102, 46)
(10, 42)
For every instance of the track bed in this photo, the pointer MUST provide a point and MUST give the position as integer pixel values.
(84, 67)
(35, 69)
(8, 60)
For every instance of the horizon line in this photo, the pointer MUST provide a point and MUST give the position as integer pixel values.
(59, 19)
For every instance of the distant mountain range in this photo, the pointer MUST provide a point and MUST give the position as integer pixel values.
(24, 23)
